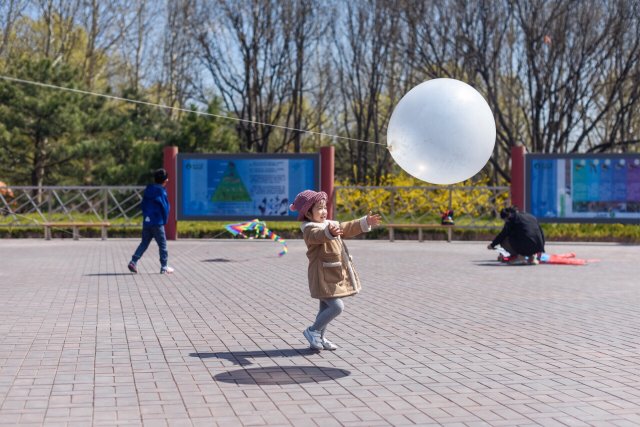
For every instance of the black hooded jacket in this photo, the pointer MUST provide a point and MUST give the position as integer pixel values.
(524, 233)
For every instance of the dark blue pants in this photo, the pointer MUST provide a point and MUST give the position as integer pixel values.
(157, 233)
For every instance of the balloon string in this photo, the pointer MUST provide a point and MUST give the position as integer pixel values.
(185, 110)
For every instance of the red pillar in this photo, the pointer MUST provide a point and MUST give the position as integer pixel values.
(327, 168)
(170, 158)
(517, 176)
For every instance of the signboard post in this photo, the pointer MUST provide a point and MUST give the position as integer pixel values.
(169, 163)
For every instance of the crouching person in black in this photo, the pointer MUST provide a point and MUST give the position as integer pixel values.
(521, 236)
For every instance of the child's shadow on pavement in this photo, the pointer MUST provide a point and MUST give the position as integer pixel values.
(240, 357)
(273, 375)
(282, 375)
(109, 274)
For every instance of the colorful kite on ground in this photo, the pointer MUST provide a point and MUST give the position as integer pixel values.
(256, 229)
(568, 258)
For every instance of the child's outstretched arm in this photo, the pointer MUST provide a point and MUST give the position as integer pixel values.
(373, 219)
(359, 226)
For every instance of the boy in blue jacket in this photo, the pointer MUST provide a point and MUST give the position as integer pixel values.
(155, 212)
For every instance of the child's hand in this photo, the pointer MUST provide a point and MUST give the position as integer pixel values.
(373, 219)
(335, 230)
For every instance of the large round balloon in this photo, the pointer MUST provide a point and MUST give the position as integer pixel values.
(442, 131)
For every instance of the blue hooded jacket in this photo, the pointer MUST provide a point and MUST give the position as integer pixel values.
(155, 206)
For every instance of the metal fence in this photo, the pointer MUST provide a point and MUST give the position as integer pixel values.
(473, 206)
(25, 206)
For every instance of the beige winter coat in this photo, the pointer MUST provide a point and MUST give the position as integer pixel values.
(331, 272)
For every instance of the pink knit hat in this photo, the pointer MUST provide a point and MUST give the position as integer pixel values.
(305, 201)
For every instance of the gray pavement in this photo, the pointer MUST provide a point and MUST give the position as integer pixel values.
(440, 335)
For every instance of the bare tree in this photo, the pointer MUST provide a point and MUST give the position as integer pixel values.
(487, 44)
(136, 26)
(179, 53)
(618, 131)
(320, 115)
(559, 75)
(10, 12)
(102, 22)
(472, 42)
(489, 47)
(573, 81)
(432, 38)
(305, 25)
(247, 52)
(61, 37)
(364, 43)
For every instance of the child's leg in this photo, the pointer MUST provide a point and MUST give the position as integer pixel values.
(330, 308)
(147, 235)
(323, 307)
(161, 239)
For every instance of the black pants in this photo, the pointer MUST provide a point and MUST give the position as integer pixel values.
(506, 243)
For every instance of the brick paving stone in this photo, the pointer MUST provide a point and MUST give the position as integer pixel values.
(441, 334)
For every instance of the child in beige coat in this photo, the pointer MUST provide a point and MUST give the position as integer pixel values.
(331, 272)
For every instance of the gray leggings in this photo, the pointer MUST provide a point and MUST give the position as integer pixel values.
(330, 308)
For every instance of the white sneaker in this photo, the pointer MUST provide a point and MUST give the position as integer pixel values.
(328, 345)
(167, 270)
(518, 260)
(314, 338)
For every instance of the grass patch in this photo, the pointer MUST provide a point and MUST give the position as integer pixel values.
(623, 233)
(28, 228)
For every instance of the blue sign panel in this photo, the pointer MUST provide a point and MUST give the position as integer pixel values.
(583, 187)
(543, 188)
(243, 187)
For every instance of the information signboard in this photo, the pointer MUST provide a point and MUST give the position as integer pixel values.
(243, 186)
(583, 187)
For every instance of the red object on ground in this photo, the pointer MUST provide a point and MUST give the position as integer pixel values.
(560, 259)
(568, 258)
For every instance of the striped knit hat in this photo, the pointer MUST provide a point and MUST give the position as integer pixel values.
(305, 201)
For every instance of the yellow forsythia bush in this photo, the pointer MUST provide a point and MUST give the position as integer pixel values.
(405, 199)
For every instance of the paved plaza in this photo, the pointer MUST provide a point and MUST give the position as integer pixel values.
(441, 334)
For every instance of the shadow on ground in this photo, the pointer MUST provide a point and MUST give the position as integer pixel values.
(282, 375)
(241, 357)
(109, 274)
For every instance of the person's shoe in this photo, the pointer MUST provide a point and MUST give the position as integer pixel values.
(518, 260)
(167, 270)
(314, 338)
(503, 258)
(533, 259)
(328, 345)
(132, 267)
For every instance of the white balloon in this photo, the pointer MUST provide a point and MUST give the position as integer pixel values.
(442, 131)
